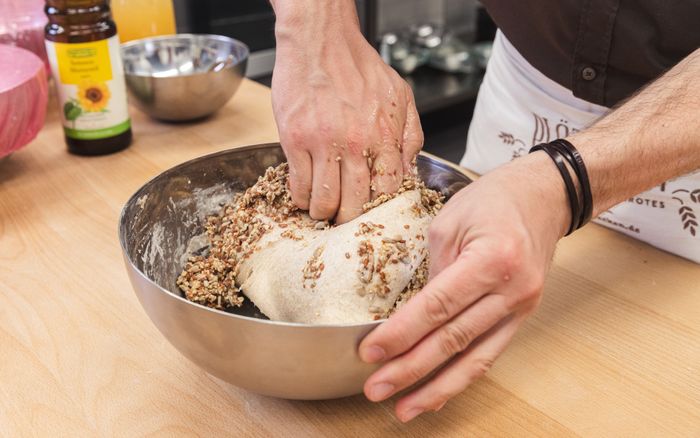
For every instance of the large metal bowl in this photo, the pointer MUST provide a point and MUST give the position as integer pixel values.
(183, 77)
(280, 359)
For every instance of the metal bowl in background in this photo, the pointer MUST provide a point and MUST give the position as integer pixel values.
(183, 77)
(288, 360)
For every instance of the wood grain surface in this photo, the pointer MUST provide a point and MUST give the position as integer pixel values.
(614, 349)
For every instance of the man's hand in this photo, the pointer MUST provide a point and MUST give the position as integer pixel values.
(490, 249)
(347, 121)
(492, 244)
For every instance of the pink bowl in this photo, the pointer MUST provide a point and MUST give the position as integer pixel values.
(23, 97)
(22, 25)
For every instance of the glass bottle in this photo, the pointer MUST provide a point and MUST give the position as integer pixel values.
(83, 49)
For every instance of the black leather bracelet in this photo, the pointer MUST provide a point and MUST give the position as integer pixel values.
(574, 158)
(558, 159)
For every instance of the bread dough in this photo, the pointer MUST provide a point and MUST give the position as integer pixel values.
(296, 269)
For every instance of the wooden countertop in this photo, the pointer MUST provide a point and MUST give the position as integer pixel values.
(614, 349)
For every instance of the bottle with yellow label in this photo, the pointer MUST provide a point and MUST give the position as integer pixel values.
(83, 50)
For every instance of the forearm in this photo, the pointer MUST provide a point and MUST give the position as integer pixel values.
(320, 43)
(653, 137)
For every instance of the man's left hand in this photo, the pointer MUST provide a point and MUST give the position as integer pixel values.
(490, 248)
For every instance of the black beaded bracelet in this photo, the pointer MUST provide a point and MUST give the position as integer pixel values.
(558, 159)
(560, 150)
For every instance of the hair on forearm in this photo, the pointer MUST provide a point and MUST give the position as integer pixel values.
(651, 137)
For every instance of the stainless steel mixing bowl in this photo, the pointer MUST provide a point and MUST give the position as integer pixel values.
(281, 359)
(183, 77)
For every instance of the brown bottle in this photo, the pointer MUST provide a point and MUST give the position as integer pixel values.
(83, 49)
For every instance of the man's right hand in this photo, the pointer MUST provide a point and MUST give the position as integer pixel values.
(347, 122)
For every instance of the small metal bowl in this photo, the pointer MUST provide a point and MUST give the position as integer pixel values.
(281, 359)
(183, 77)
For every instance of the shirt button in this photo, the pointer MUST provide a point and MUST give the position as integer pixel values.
(588, 73)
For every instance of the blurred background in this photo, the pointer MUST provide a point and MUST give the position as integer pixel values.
(439, 46)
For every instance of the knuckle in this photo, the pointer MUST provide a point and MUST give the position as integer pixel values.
(388, 161)
(454, 338)
(531, 292)
(407, 90)
(441, 397)
(354, 139)
(413, 374)
(295, 137)
(324, 201)
(418, 139)
(391, 335)
(506, 257)
(353, 162)
(301, 199)
(440, 401)
(324, 128)
(300, 184)
(401, 341)
(323, 206)
(511, 255)
(300, 191)
(482, 365)
(475, 370)
(438, 306)
(385, 184)
(534, 287)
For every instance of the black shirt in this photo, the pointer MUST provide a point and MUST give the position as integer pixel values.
(602, 50)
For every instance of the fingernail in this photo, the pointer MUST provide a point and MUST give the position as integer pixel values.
(380, 391)
(373, 353)
(411, 414)
(441, 406)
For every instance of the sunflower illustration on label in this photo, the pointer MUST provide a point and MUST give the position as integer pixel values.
(91, 88)
(93, 96)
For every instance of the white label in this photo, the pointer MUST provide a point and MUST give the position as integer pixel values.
(91, 89)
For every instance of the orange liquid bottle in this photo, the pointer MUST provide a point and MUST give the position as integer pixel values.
(143, 18)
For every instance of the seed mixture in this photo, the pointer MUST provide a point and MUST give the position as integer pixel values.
(419, 280)
(313, 269)
(431, 200)
(232, 236)
(235, 232)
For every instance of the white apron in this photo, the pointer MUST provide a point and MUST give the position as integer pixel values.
(519, 107)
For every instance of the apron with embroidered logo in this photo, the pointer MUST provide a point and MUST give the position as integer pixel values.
(518, 107)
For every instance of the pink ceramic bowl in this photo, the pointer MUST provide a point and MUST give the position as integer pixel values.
(23, 97)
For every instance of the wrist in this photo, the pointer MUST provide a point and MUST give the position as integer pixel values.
(304, 23)
(547, 197)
